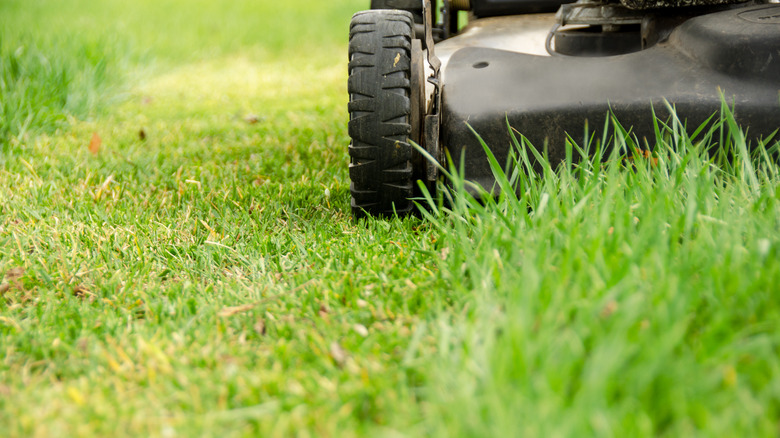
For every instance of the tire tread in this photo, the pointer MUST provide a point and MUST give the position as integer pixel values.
(379, 88)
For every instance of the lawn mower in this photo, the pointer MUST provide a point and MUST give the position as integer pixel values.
(547, 68)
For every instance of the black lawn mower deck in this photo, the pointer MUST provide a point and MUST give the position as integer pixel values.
(547, 75)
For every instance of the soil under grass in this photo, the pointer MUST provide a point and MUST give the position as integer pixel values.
(196, 271)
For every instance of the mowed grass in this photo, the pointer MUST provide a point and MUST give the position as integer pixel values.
(200, 275)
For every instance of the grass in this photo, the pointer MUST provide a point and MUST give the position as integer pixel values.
(632, 298)
(204, 277)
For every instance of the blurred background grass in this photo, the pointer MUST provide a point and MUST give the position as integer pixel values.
(72, 58)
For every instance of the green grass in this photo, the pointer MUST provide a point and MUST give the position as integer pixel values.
(206, 279)
(632, 298)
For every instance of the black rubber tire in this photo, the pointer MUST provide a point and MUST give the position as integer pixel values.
(379, 88)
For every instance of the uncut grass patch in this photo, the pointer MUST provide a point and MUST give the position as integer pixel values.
(626, 295)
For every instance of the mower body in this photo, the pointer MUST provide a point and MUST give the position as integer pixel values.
(731, 54)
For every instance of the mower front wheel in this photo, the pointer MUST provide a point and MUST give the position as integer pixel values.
(381, 112)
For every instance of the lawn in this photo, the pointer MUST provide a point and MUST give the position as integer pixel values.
(177, 256)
